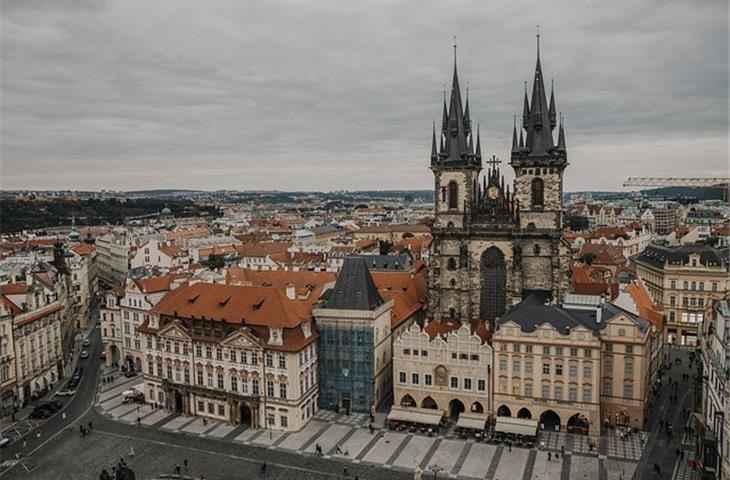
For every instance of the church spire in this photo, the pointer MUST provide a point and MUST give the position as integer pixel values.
(434, 153)
(479, 145)
(551, 108)
(525, 109)
(561, 135)
(539, 140)
(456, 139)
(514, 133)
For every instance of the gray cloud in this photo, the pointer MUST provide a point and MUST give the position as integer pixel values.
(329, 95)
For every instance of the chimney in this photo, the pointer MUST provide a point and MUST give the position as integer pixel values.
(290, 291)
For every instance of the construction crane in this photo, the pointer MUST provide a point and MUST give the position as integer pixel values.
(704, 182)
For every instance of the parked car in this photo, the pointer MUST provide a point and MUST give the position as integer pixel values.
(69, 391)
(87, 342)
(73, 383)
(78, 373)
(4, 441)
(132, 396)
(53, 406)
(84, 354)
(40, 413)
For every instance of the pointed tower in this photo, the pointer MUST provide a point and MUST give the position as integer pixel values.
(539, 163)
(456, 165)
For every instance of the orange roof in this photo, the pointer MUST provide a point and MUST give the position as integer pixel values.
(172, 250)
(44, 312)
(645, 305)
(302, 280)
(14, 288)
(610, 232)
(409, 293)
(605, 254)
(395, 228)
(83, 249)
(262, 249)
(154, 284)
(237, 305)
(437, 329)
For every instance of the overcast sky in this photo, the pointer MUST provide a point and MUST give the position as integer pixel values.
(332, 95)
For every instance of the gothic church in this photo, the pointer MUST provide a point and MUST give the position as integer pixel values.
(494, 245)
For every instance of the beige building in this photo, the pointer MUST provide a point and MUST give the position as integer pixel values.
(684, 280)
(240, 354)
(444, 366)
(113, 257)
(8, 387)
(572, 367)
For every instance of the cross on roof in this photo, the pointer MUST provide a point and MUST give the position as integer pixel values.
(494, 161)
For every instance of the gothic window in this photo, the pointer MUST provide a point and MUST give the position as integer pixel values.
(536, 249)
(450, 226)
(451, 264)
(538, 193)
(453, 195)
(452, 283)
(443, 194)
(494, 279)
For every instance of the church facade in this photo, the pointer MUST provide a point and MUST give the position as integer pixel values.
(496, 244)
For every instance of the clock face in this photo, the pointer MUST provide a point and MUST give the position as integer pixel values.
(493, 192)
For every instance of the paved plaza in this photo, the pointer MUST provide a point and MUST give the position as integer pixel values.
(346, 438)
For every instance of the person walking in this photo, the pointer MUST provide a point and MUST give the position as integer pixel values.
(177, 468)
(263, 469)
(185, 464)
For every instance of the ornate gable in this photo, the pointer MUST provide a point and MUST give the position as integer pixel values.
(242, 338)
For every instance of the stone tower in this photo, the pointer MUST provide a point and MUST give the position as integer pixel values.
(493, 248)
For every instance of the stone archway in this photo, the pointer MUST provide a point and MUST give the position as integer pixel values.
(455, 408)
(113, 356)
(407, 401)
(429, 402)
(524, 413)
(476, 407)
(550, 420)
(504, 411)
(578, 424)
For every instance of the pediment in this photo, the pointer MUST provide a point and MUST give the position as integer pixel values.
(241, 338)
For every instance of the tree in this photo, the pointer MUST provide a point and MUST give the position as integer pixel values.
(407, 235)
(588, 258)
(384, 246)
(216, 261)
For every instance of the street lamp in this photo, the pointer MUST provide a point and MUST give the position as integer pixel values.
(435, 468)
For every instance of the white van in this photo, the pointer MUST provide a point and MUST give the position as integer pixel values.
(131, 396)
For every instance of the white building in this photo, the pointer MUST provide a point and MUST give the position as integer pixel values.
(155, 253)
(241, 354)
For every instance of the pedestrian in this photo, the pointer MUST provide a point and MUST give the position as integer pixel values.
(185, 464)
(131, 452)
(509, 444)
(344, 471)
(89, 426)
(550, 456)
(177, 468)
(63, 415)
(263, 468)
(139, 422)
(562, 450)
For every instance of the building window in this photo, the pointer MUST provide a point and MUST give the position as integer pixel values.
(558, 392)
(528, 348)
(528, 389)
(572, 394)
(587, 371)
(402, 377)
(428, 379)
(672, 300)
(199, 350)
(244, 385)
(629, 367)
(282, 390)
(453, 195)
(284, 421)
(574, 371)
(546, 350)
(282, 360)
(558, 369)
(573, 352)
(254, 358)
(451, 264)
(201, 406)
(588, 353)
(414, 379)
(481, 385)
(528, 367)
(467, 384)
(672, 316)
(546, 369)
(169, 372)
(628, 390)
(587, 394)
(255, 386)
(200, 377)
(672, 284)
(211, 408)
(244, 357)
(607, 387)
(210, 379)
(454, 382)
(219, 377)
(538, 192)
(545, 391)
(270, 359)
(629, 349)
(516, 367)
(269, 388)
(208, 352)
(503, 364)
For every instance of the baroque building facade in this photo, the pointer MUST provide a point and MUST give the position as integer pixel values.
(494, 245)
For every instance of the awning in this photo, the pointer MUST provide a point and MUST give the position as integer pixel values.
(472, 420)
(424, 416)
(518, 426)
